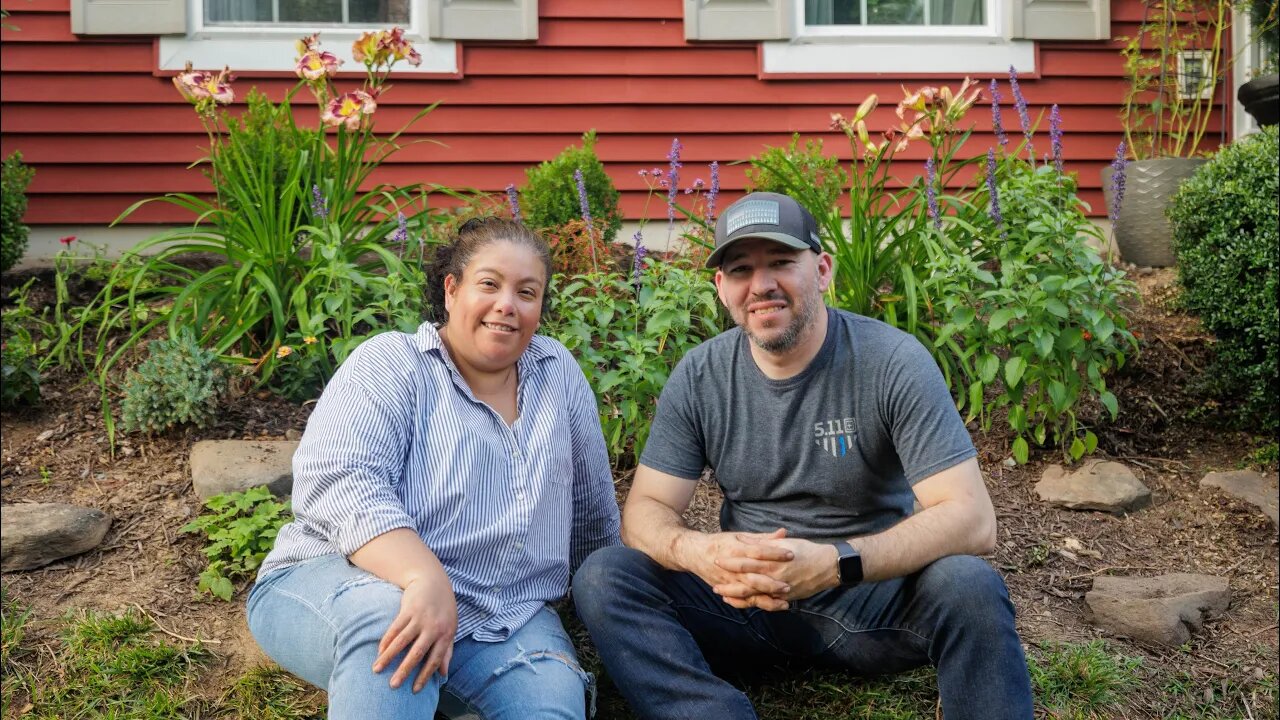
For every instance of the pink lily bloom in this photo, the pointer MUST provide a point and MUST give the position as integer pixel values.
(317, 65)
(349, 109)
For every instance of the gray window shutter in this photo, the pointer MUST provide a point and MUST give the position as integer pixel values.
(738, 19)
(483, 19)
(129, 17)
(1062, 19)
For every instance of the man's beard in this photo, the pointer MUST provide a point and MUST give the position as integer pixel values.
(801, 318)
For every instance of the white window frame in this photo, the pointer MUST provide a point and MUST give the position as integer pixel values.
(271, 48)
(897, 49)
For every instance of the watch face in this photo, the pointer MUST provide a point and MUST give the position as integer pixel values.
(850, 565)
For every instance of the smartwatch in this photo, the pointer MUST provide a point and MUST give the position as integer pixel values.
(849, 566)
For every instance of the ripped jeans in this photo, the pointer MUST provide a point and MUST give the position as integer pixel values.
(322, 620)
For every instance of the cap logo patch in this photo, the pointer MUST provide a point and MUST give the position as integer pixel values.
(752, 212)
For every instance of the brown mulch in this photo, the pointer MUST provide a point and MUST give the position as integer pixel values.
(1167, 434)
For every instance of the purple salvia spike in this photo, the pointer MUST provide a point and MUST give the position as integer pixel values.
(1024, 117)
(402, 229)
(714, 191)
(582, 198)
(637, 265)
(930, 172)
(1055, 136)
(994, 207)
(319, 206)
(673, 174)
(996, 125)
(1118, 167)
(513, 200)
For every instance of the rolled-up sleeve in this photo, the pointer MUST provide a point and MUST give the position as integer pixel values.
(351, 460)
(596, 523)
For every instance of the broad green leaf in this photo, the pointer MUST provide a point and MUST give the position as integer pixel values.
(1109, 402)
(1043, 342)
(1000, 318)
(1021, 451)
(1090, 442)
(988, 368)
(1077, 449)
(1057, 307)
(1013, 370)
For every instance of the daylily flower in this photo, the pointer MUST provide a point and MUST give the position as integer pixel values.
(866, 107)
(283, 352)
(400, 49)
(365, 48)
(203, 88)
(308, 43)
(309, 340)
(349, 109)
(384, 47)
(316, 65)
(839, 122)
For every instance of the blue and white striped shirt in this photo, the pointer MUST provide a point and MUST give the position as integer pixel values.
(398, 440)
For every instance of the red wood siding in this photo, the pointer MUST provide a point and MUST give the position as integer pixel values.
(103, 128)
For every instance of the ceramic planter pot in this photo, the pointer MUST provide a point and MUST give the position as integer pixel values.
(1142, 231)
(1261, 98)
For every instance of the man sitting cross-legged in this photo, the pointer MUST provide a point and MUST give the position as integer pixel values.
(822, 428)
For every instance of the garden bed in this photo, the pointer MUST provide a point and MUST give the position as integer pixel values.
(1167, 434)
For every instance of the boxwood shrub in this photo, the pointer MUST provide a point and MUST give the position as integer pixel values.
(551, 200)
(1226, 227)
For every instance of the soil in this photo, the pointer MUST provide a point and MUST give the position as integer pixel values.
(1167, 433)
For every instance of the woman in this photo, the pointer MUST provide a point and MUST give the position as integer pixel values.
(446, 484)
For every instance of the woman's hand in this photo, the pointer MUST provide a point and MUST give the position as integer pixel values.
(424, 630)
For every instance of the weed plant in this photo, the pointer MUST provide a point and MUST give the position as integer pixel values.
(241, 528)
(180, 383)
(14, 179)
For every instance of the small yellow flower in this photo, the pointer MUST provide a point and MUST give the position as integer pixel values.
(309, 340)
(284, 352)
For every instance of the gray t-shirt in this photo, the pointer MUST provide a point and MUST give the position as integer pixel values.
(827, 454)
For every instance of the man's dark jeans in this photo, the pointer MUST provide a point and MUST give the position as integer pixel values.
(660, 633)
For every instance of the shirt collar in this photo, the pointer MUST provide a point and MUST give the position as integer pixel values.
(429, 342)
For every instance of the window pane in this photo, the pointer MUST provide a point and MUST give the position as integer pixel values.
(306, 12)
(895, 12)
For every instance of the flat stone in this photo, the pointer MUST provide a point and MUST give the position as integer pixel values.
(1165, 609)
(36, 534)
(223, 466)
(1250, 486)
(1097, 485)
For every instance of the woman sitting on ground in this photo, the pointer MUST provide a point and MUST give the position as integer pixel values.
(447, 484)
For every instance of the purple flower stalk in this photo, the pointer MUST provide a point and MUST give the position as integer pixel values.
(994, 207)
(513, 200)
(930, 171)
(1117, 182)
(637, 265)
(402, 229)
(673, 174)
(996, 125)
(714, 191)
(319, 207)
(582, 199)
(1055, 136)
(1020, 103)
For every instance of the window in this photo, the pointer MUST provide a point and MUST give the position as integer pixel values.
(313, 13)
(926, 13)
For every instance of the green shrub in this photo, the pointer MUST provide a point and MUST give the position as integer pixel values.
(1036, 311)
(241, 528)
(179, 383)
(14, 180)
(814, 169)
(550, 199)
(628, 342)
(21, 352)
(1225, 222)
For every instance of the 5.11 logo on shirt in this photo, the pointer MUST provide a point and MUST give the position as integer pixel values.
(835, 436)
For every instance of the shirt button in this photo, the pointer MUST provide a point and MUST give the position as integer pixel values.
(517, 545)
(519, 494)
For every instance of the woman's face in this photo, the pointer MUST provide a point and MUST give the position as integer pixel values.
(494, 307)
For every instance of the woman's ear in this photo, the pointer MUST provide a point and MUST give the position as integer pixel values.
(450, 289)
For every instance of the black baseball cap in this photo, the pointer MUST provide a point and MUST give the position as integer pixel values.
(765, 215)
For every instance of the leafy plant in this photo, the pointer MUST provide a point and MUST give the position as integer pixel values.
(179, 383)
(20, 352)
(1037, 311)
(811, 166)
(302, 232)
(14, 179)
(550, 197)
(628, 333)
(1225, 235)
(241, 528)
(1168, 104)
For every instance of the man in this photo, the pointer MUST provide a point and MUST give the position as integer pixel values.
(822, 428)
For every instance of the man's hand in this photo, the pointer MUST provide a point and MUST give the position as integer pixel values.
(711, 556)
(426, 625)
(812, 569)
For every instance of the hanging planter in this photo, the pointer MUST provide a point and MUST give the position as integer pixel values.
(1142, 232)
(1261, 98)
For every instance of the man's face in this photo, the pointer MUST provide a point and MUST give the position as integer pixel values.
(773, 292)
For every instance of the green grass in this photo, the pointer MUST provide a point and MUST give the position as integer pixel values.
(269, 693)
(13, 623)
(1080, 681)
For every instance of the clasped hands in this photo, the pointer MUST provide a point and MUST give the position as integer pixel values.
(763, 570)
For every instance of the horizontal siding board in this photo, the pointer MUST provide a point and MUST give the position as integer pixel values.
(51, 58)
(63, 118)
(532, 61)
(121, 87)
(611, 32)
(147, 149)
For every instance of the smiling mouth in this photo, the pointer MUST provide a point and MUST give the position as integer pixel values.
(769, 308)
(499, 327)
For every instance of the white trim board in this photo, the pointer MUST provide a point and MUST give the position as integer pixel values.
(900, 56)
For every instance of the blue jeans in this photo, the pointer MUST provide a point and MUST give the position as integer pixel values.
(322, 619)
(666, 639)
